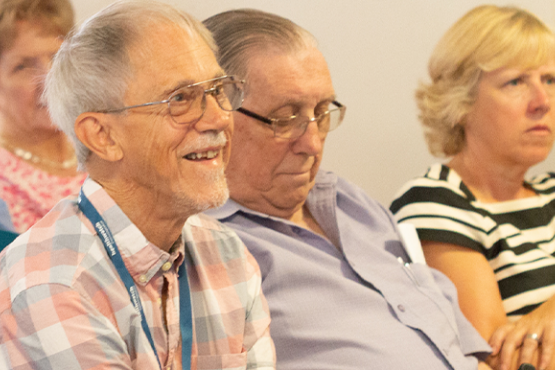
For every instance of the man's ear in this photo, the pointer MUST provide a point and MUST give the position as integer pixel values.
(94, 131)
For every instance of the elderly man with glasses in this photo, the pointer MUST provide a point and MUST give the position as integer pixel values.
(341, 290)
(127, 276)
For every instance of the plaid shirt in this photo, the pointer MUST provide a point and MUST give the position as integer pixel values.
(63, 306)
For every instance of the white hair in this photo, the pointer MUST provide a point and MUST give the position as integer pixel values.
(92, 69)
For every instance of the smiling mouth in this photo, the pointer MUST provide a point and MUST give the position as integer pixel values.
(210, 154)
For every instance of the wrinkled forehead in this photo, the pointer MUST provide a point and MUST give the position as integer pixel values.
(299, 74)
(161, 40)
(167, 54)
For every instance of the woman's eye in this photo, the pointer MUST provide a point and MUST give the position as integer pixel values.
(550, 80)
(31, 66)
(515, 82)
(20, 67)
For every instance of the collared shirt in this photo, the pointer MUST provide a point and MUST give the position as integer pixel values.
(62, 304)
(354, 306)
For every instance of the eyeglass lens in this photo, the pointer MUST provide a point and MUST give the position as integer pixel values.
(293, 128)
(187, 104)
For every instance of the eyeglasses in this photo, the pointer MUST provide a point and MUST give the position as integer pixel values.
(188, 104)
(295, 126)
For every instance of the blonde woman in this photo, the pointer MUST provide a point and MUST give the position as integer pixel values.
(489, 109)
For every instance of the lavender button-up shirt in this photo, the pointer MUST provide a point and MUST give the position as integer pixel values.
(356, 306)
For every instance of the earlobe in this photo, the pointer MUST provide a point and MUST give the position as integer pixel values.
(94, 131)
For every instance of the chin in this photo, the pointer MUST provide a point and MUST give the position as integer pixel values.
(535, 158)
(216, 199)
(208, 190)
(211, 196)
(200, 202)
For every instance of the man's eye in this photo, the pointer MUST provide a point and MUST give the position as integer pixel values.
(282, 124)
(183, 96)
(218, 89)
(177, 97)
(319, 112)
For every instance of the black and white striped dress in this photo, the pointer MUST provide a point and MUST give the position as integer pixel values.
(517, 237)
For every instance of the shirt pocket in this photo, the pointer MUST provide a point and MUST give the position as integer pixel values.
(423, 276)
(235, 361)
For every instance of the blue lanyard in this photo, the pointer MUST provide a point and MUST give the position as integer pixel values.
(185, 317)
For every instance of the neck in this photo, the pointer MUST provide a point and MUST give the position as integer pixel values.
(491, 182)
(297, 212)
(304, 218)
(156, 217)
(49, 151)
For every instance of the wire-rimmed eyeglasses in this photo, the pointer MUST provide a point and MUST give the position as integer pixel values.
(295, 126)
(188, 103)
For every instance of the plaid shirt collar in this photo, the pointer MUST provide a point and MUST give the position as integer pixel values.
(142, 258)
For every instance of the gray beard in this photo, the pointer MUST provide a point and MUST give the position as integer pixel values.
(218, 198)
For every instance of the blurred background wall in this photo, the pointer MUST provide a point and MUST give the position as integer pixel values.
(377, 51)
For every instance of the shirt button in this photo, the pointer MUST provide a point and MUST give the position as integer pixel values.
(401, 308)
(142, 279)
(166, 266)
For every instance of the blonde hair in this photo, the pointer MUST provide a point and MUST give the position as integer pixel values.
(485, 39)
(92, 69)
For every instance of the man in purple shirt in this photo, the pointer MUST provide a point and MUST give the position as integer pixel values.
(336, 275)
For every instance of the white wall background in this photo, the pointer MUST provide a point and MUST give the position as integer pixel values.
(377, 51)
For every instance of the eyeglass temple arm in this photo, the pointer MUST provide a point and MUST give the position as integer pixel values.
(254, 115)
(247, 112)
(117, 110)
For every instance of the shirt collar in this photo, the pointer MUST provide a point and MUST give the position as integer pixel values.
(228, 209)
(324, 179)
(142, 258)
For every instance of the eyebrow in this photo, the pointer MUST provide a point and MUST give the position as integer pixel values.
(295, 103)
(23, 60)
(330, 98)
(184, 83)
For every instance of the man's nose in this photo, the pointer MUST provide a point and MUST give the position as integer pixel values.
(311, 141)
